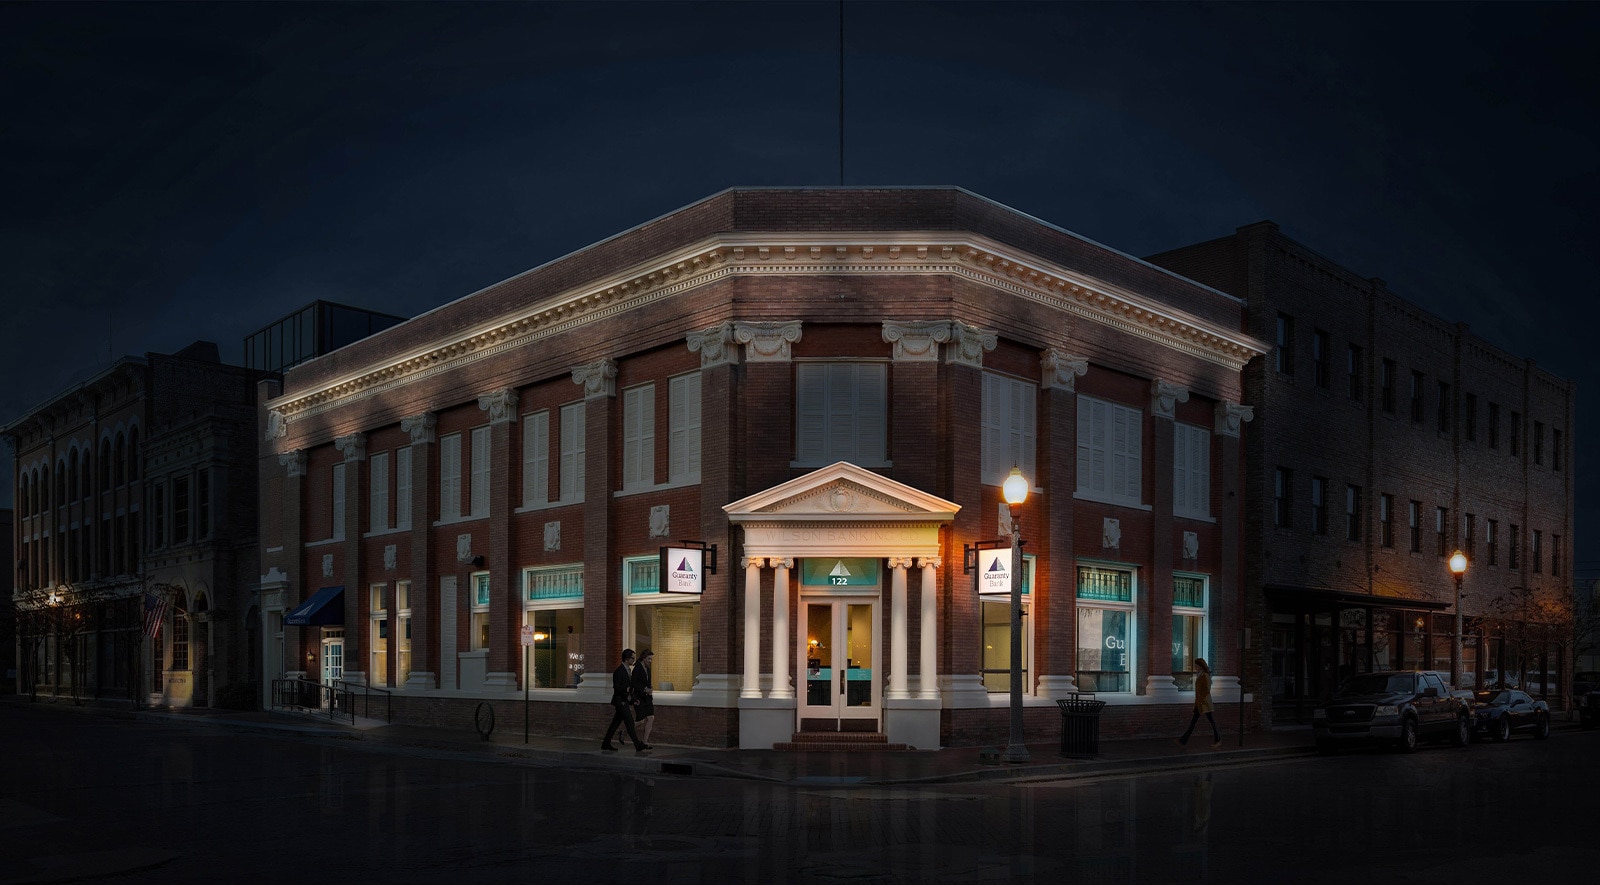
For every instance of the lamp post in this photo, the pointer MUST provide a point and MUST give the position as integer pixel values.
(1458, 567)
(1015, 489)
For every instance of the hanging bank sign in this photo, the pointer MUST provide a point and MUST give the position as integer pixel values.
(994, 571)
(684, 569)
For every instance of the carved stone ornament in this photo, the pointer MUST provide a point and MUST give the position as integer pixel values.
(501, 405)
(917, 342)
(552, 535)
(715, 346)
(277, 425)
(464, 548)
(353, 446)
(781, 561)
(967, 344)
(389, 557)
(1111, 533)
(327, 565)
(599, 378)
(900, 562)
(1230, 416)
(1165, 396)
(420, 427)
(1059, 371)
(659, 516)
(293, 462)
(1191, 545)
(935, 562)
(767, 342)
(756, 561)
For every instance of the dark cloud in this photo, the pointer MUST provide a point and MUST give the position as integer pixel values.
(179, 171)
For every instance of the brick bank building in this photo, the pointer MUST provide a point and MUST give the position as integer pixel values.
(829, 386)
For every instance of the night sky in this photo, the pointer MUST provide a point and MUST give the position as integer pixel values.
(175, 172)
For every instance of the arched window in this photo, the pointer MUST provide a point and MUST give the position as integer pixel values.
(72, 478)
(105, 465)
(61, 483)
(44, 488)
(133, 454)
(180, 634)
(22, 495)
(85, 478)
(120, 461)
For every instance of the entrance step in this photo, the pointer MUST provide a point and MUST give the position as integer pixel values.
(840, 742)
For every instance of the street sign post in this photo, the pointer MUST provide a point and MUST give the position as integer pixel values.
(527, 643)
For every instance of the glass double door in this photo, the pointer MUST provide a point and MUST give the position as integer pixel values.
(838, 664)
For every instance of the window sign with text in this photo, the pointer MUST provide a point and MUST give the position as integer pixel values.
(839, 571)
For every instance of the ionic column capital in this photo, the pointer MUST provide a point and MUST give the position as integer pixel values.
(767, 342)
(900, 562)
(1058, 371)
(715, 346)
(501, 405)
(353, 446)
(599, 378)
(933, 562)
(420, 427)
(918, 341)
(1165, 396)
(1230, 416)
(753, 561)
(294, 462)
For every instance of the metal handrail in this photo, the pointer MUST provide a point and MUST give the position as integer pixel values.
(327, 698)
(367, 691)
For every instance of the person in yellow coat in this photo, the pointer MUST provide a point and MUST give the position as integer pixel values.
(1202, 704)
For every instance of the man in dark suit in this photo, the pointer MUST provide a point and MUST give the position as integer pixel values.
(622, 701)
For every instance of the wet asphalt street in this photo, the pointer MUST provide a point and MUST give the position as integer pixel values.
(85, 797)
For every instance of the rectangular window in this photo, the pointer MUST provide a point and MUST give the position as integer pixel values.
(378, 491)
(1009, 428)
(574, 447)
(1352, 513)
(1469, 534)
(1282, 497)
(665, 623)
(556, 656)
(1555, 556)
(1538, 551)
(1417, 399)
(995, 638)
(202, 503)
(1354, 366)
(639, 437)
(1110, 441)
(402, 602)
(1494, 425)
(1106, 639)
(1319, 505)
(402, 488)
(1285, 350)
(480, 585)
(1441, 526)
(1189, 634)
(180, 510)
(1469, 417)
(1443, 411)
(841, 414)
(1414, 515)
(552, 582)
(683, 442)
(1191, 465)
(180, 639)
(1320, 358)
(337, 533)
(536, 459)
(450, 477)
(1386, 371)
(480, 472)
(1516, 435)
(1386, 520)
(1555, 450)
(378, 635)
(1538, 442)
(1492, 540)
(1515, 553)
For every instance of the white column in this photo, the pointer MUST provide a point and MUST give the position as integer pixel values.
(897, 628)
(752, 627)
(928, 684)
(781, 650)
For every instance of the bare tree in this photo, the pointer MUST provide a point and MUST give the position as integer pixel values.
(1529, 617)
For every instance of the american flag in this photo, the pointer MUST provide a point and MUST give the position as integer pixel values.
(155, 612)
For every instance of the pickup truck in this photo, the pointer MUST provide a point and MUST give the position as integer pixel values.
(1403, 707)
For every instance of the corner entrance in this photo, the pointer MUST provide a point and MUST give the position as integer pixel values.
(839, 650)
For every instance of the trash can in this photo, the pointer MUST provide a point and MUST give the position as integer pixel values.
(1080, 725)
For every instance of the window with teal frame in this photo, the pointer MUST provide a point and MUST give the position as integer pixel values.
(480, 589)
(1105, 584)
(553, 582)
(1188, 591)
(642, 574)
(839, 571)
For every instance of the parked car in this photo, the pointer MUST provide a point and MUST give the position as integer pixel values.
(1589, 710)
(1405, 707)
(1500, 713)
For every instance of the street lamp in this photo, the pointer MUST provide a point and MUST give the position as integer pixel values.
(1458, 567)
(1015, 489)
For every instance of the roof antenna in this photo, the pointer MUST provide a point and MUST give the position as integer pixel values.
(841, 93)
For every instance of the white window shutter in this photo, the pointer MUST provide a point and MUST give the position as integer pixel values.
(450, 476)
(684, 445)
(871, 413)
(480, 471)
(811, 420)
(402, 488)
(378, 484)
(536, 459)
(573, 446)
(338, 501)
(638, 442)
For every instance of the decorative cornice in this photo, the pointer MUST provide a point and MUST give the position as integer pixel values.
(599, 378)
(916, 341)
(353, 446)
(420, 427)
(975, 258)
(501, 405)
(1059, 371)
(1165, 396)
(767, 342)
(967, 344)
(294, 462)
(1230, 415)
(714, 346)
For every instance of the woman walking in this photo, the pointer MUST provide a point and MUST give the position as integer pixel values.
(644, 699)
(1202, 704)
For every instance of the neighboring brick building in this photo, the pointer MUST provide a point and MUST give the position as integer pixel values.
(139, 484)
(1384, 439)
(826, 384)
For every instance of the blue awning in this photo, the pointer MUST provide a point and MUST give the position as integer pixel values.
(325, 607)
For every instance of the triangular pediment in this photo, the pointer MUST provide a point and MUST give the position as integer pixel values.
(841, 492)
